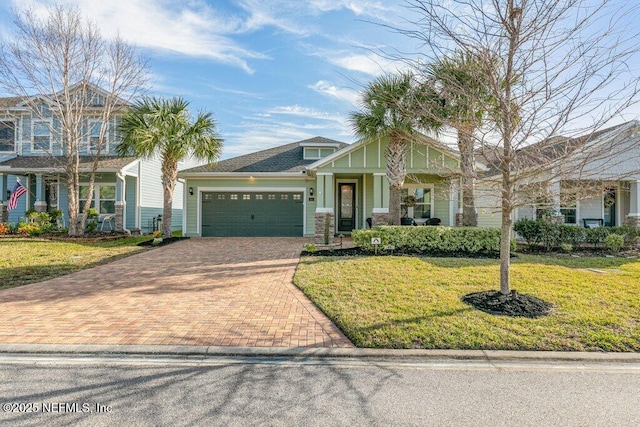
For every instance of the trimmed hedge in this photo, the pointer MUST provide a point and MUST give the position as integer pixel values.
(470, 240)
(550, 235)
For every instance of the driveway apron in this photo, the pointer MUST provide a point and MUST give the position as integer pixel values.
(201, 291)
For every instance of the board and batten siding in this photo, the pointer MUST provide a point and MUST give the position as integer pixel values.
(249, 184)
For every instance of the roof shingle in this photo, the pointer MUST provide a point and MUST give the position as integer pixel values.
(285, 158)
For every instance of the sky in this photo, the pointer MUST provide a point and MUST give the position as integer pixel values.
(271, 71)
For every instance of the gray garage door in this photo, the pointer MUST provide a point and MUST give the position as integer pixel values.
(251, 214)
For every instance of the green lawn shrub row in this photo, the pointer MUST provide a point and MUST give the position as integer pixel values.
(431, 239)
(550, 235)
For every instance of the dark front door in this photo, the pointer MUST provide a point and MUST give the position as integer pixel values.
(610, 207)
(346, 207)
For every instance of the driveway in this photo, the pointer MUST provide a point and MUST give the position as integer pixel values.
(201, 291)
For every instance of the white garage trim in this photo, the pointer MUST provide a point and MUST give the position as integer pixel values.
(302, 190)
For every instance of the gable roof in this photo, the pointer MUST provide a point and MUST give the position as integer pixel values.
(26, 164)
(550, 149)
(421, 138)
(285, 158)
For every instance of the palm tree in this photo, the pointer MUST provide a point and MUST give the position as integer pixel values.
(386, 111)
(163, 127)
(456, 96)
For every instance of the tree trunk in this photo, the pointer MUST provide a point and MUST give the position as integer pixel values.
(467, 161)
(505, 252)
(169, 178)
(396, 172)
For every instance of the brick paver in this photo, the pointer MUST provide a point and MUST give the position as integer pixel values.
(208, 291)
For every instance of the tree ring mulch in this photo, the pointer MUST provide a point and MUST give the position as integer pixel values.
(514, 304)
(165, 241)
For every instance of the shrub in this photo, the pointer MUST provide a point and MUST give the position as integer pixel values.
(597, 235)
(529, 230)
(614, 242)
(572, 235)
(431, 239)
(566, 247)
(4, 228)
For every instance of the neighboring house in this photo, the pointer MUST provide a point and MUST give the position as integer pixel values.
(128, 190)
(600, 182)
(300, 188)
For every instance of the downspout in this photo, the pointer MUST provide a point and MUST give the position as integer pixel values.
(121, 177)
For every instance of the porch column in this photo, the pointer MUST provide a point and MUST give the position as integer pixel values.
(4, 203)
(120, 203)
(380, 212)
(554, 188)
(633, 219)
(40, 204)
(324, 216)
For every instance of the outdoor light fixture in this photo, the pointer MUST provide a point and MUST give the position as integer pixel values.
(8, 194)
(311, 191)
(191, 191)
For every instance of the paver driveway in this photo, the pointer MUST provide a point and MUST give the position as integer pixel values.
(208, 291)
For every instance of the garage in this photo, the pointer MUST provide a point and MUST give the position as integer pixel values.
(252, 214)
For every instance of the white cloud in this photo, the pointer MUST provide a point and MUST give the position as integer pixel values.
(309, 113)
(186, 28)
(342, 93)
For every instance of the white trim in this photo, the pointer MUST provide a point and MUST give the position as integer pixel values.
(321, 144)
(365, 156)
(379, 174)
(324, 210)
(33, 141)
(324, 174)
(201, 190)
(380, 211)
(196, 175)
(431, 188)
(88, 136)
(364, 200)
(185, 194)
(379, 157)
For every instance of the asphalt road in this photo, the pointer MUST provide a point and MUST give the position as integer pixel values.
(307, 392)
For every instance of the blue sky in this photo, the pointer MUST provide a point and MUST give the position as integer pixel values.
(270, 71)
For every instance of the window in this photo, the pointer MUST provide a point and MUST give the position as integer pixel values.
(233, 197)
(416, 202)
(311, 153)
(272, 196)
(568, 207)
(41, 136)
(246, 197)
(297, 197)
(94, 137)
(104, 198)
(221, 197)
(284, 197)
(258, 196)
(7, 136)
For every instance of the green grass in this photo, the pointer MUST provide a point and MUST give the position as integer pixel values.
(410, 302)
(30, 260)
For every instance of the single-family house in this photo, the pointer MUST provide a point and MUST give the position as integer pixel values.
(592, 180)
(128, 190)
(318, 185)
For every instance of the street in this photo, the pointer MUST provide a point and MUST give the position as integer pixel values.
(136, 390)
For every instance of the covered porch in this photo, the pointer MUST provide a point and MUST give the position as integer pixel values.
(114, 194)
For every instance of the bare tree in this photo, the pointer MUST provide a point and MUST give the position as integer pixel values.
(65, 69)
(554, 70)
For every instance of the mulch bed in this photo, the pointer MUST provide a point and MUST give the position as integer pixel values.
(358, 251)
(165, 241)
(513, 304)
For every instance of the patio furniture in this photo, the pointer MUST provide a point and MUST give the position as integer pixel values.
(593, 222)
(433, 221)
(106, 219)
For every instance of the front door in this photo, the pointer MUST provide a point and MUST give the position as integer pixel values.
(610, 207)
(346, 207)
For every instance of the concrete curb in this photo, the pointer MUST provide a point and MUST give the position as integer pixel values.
(311, 353)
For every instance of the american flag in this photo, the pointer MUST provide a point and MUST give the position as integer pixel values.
(18, 191)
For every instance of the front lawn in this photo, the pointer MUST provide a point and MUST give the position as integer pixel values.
(30, 260)
(411, 302)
